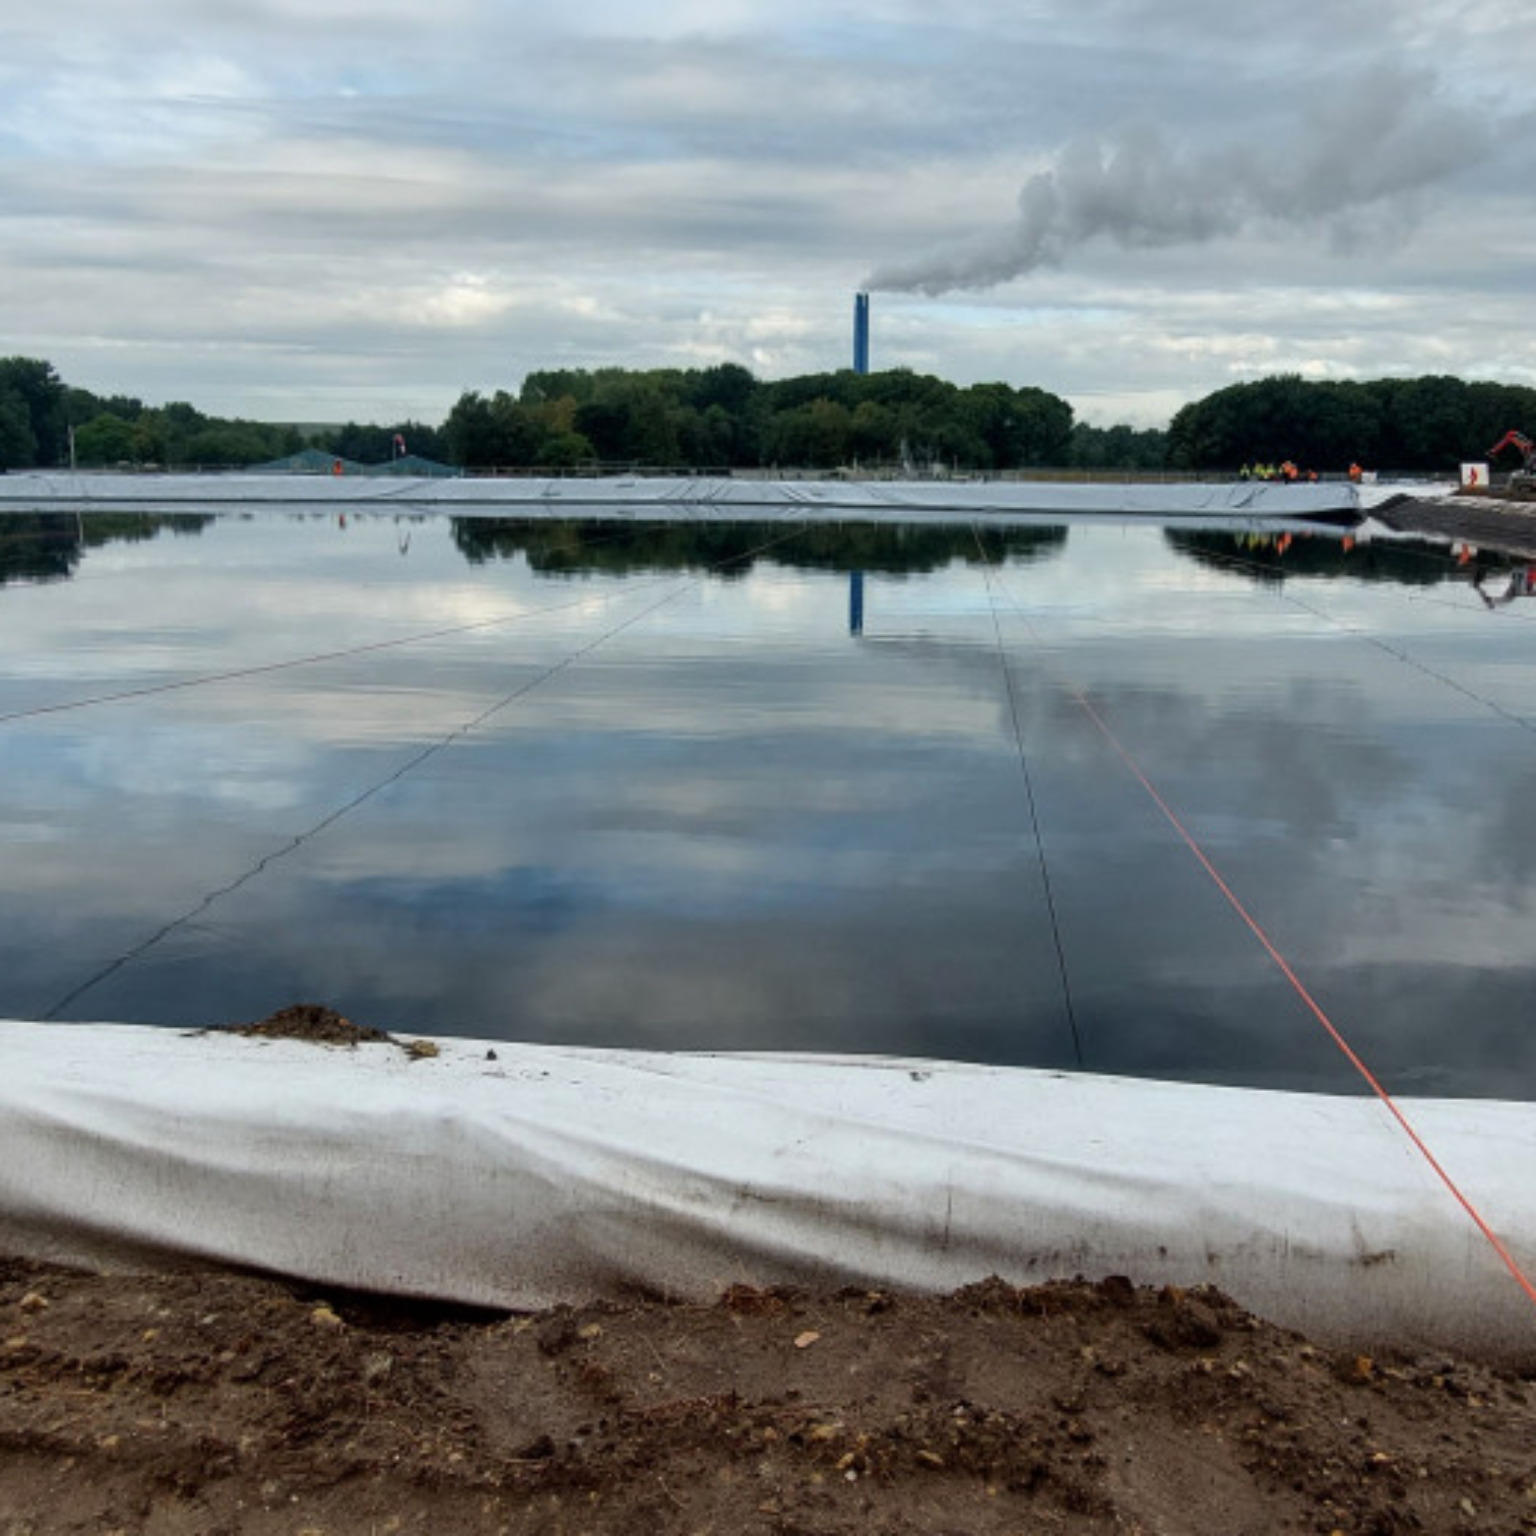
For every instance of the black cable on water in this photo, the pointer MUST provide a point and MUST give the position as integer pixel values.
(1029, 795)
(261, 669)
(394, 776)
(1387, 649)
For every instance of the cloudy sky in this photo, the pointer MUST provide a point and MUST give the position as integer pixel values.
(328, 209)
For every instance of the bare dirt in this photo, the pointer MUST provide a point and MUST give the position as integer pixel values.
(216, 1403)
(219, 1403)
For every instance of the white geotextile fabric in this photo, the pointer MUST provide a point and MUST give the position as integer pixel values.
(735, 496)
(550, 1174)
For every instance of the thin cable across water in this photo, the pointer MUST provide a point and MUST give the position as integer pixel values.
(394, 776)
(1029, 796)
(1364, 635)
(262, 669)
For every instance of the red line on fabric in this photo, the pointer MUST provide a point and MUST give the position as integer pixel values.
(1508, 1259)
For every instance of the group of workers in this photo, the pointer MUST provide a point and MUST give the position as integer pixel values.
(1288, 472)
(1285, 471)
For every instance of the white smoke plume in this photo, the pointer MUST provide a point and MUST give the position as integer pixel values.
(1376, 143)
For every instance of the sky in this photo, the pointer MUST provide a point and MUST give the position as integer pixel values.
(336, 210)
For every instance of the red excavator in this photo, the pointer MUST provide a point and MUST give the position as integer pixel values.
(1526, 475)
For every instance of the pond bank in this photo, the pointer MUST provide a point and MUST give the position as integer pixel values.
(510, 1175)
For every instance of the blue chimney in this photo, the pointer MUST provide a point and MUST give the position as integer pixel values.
(861, 333)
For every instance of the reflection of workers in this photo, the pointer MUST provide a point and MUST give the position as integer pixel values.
(1522, 583)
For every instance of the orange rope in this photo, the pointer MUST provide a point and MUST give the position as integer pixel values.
(1508, 1259)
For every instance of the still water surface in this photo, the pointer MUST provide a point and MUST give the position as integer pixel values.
(703, 786)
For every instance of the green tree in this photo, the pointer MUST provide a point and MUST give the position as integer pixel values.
(150, 439)
(106, 439)
(41, 396)
(1428, 422)
(653, 436)
(18, 445)
(568, 450)
(226, 443)
(604, 424)
(469, 431)
(487, 434)
(168, 429)
(873, 437)
(1015, 428)
(727, 385)
(1118, 447)
(721, 439)
(816, 435)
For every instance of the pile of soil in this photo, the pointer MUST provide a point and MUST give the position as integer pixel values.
(312, 1022)
(226, 1403)
(319, 1025)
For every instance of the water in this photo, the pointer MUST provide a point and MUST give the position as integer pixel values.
(704, 787)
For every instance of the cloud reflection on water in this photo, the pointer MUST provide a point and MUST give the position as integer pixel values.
(736, 826)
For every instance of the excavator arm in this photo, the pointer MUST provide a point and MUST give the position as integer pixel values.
(1519, 441)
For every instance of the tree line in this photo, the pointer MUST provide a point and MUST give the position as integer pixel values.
(723, 418)
(1429, 425)
(39, 413)
(718, 418)
(46, 423)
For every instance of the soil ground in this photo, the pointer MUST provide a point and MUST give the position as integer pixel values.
(218, 1402)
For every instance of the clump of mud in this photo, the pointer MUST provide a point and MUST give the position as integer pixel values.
(315, 1023)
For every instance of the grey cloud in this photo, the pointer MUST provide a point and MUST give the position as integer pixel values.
(1278, 31)
(1377, 139)
(257, 215)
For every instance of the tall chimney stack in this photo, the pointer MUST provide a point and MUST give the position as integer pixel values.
(861, 333)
